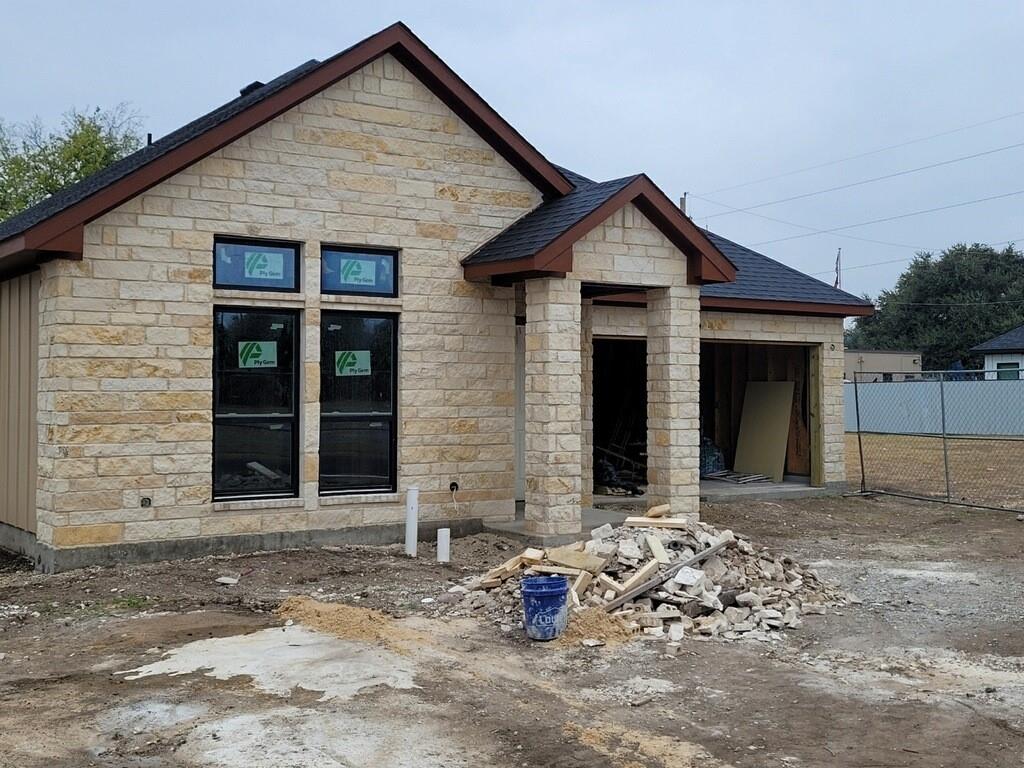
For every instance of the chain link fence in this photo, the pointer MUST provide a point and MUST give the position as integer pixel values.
(952, 436)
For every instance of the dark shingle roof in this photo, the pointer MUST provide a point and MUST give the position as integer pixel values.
(759, 277)
(547, 221)
(1011, 341)
(75, 193)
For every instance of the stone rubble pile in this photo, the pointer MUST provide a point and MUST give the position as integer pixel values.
(737, 591)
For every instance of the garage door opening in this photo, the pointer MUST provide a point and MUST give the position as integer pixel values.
(725, 371)
(620, 417)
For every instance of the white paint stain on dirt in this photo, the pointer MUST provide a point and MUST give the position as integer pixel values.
(279, 660)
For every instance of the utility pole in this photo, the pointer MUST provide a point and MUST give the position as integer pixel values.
(839, 269)
(682, 202)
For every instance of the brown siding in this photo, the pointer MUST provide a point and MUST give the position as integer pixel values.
(19, 361)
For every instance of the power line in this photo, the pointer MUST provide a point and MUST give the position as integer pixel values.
(866, 154)
(813, 230)
(909, 258)
(869, 181)
(952, 303)
(893, 218)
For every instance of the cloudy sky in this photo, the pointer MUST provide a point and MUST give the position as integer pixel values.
(731, 102)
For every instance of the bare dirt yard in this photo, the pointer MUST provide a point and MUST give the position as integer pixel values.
(161, 665)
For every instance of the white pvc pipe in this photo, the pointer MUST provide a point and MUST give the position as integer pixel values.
(412, 512)
(444, 544)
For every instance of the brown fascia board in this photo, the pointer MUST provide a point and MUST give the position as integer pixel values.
(398, 40)
(705, 263)
(767, 306)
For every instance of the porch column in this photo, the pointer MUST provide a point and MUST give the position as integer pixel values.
(673, 398)
(553, 414)
(587, 401)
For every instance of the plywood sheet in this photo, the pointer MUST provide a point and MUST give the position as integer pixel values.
(764, 428)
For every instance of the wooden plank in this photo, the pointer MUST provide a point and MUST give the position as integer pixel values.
(582, 582)
(556, 570)
(663, 576)
(645, 572)
(571, 557)
(657, 549)
(657, 522)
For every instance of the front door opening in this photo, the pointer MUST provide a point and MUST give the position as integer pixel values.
(620, 416)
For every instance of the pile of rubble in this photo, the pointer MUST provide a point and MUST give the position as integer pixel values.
(663, 576)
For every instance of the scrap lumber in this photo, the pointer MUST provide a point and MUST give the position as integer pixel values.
(659, 578)
(556, 570)
(658, 522)
(657, 549)
(532, 555)
(582, 582)
(570, 557)
(661, 510)
(647, 570)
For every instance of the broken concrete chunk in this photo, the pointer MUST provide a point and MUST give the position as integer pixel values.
(228, 581)
(749, 599)
(591, 642)
(629, 550)
(676, 631)
(602, 532)
(688, 577)
(737, 615)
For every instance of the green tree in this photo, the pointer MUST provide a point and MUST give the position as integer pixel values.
(35, 162)
(945, 305)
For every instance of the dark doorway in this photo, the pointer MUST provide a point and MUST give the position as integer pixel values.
(620, 416)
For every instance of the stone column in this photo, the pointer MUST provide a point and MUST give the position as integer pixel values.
(673, 398)
(553, 415)
(587, 401)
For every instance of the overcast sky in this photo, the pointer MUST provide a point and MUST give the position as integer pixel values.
(701, 96)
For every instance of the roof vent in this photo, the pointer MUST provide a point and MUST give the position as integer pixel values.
(255, 85)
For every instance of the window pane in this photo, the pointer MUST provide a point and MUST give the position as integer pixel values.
(346, 271)
(254, 362)
(356, 364)
(255, 265)
(355, 455)
(1008, 371)
(253, 458)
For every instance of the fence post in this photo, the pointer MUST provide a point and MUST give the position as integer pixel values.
(860, 444)
(945, 445)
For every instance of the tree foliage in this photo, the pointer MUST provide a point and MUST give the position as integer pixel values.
(964, 284)
(35, 162)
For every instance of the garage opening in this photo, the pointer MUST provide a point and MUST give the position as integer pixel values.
(725, 371)
(620, 417)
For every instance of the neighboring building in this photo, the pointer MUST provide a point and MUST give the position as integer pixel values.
(267, 326)
(881, 365)
(1004, 355)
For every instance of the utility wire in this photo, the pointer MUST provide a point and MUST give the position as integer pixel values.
(813, 230)
(953, 303)
(900, 261)
(866, 154)
(867, 181)
(893, 218)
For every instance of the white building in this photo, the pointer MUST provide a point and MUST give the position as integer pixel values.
(1004, 355)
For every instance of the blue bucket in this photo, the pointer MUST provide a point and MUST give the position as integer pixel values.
(545, 606)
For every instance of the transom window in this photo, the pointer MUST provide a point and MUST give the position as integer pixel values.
(358, 271)
(255, 415)
(255, 265)
(357, 402)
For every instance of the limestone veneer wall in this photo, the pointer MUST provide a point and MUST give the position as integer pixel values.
(126, 334)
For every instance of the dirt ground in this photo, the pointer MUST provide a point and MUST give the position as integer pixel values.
(982, 470)
(159, 665)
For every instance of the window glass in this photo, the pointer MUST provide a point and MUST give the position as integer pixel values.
(255, 418)
(357, 402)
(351, 271)
(356, 369)
(1008, 371)
(255, 265)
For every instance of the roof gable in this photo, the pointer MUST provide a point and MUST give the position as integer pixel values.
(541, 241)
(53, 227)
(1011, 341)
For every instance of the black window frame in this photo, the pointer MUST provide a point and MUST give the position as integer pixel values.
(295, 245)
(1007, 367)
(356, 250)
(392, 487)
(293, 491)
